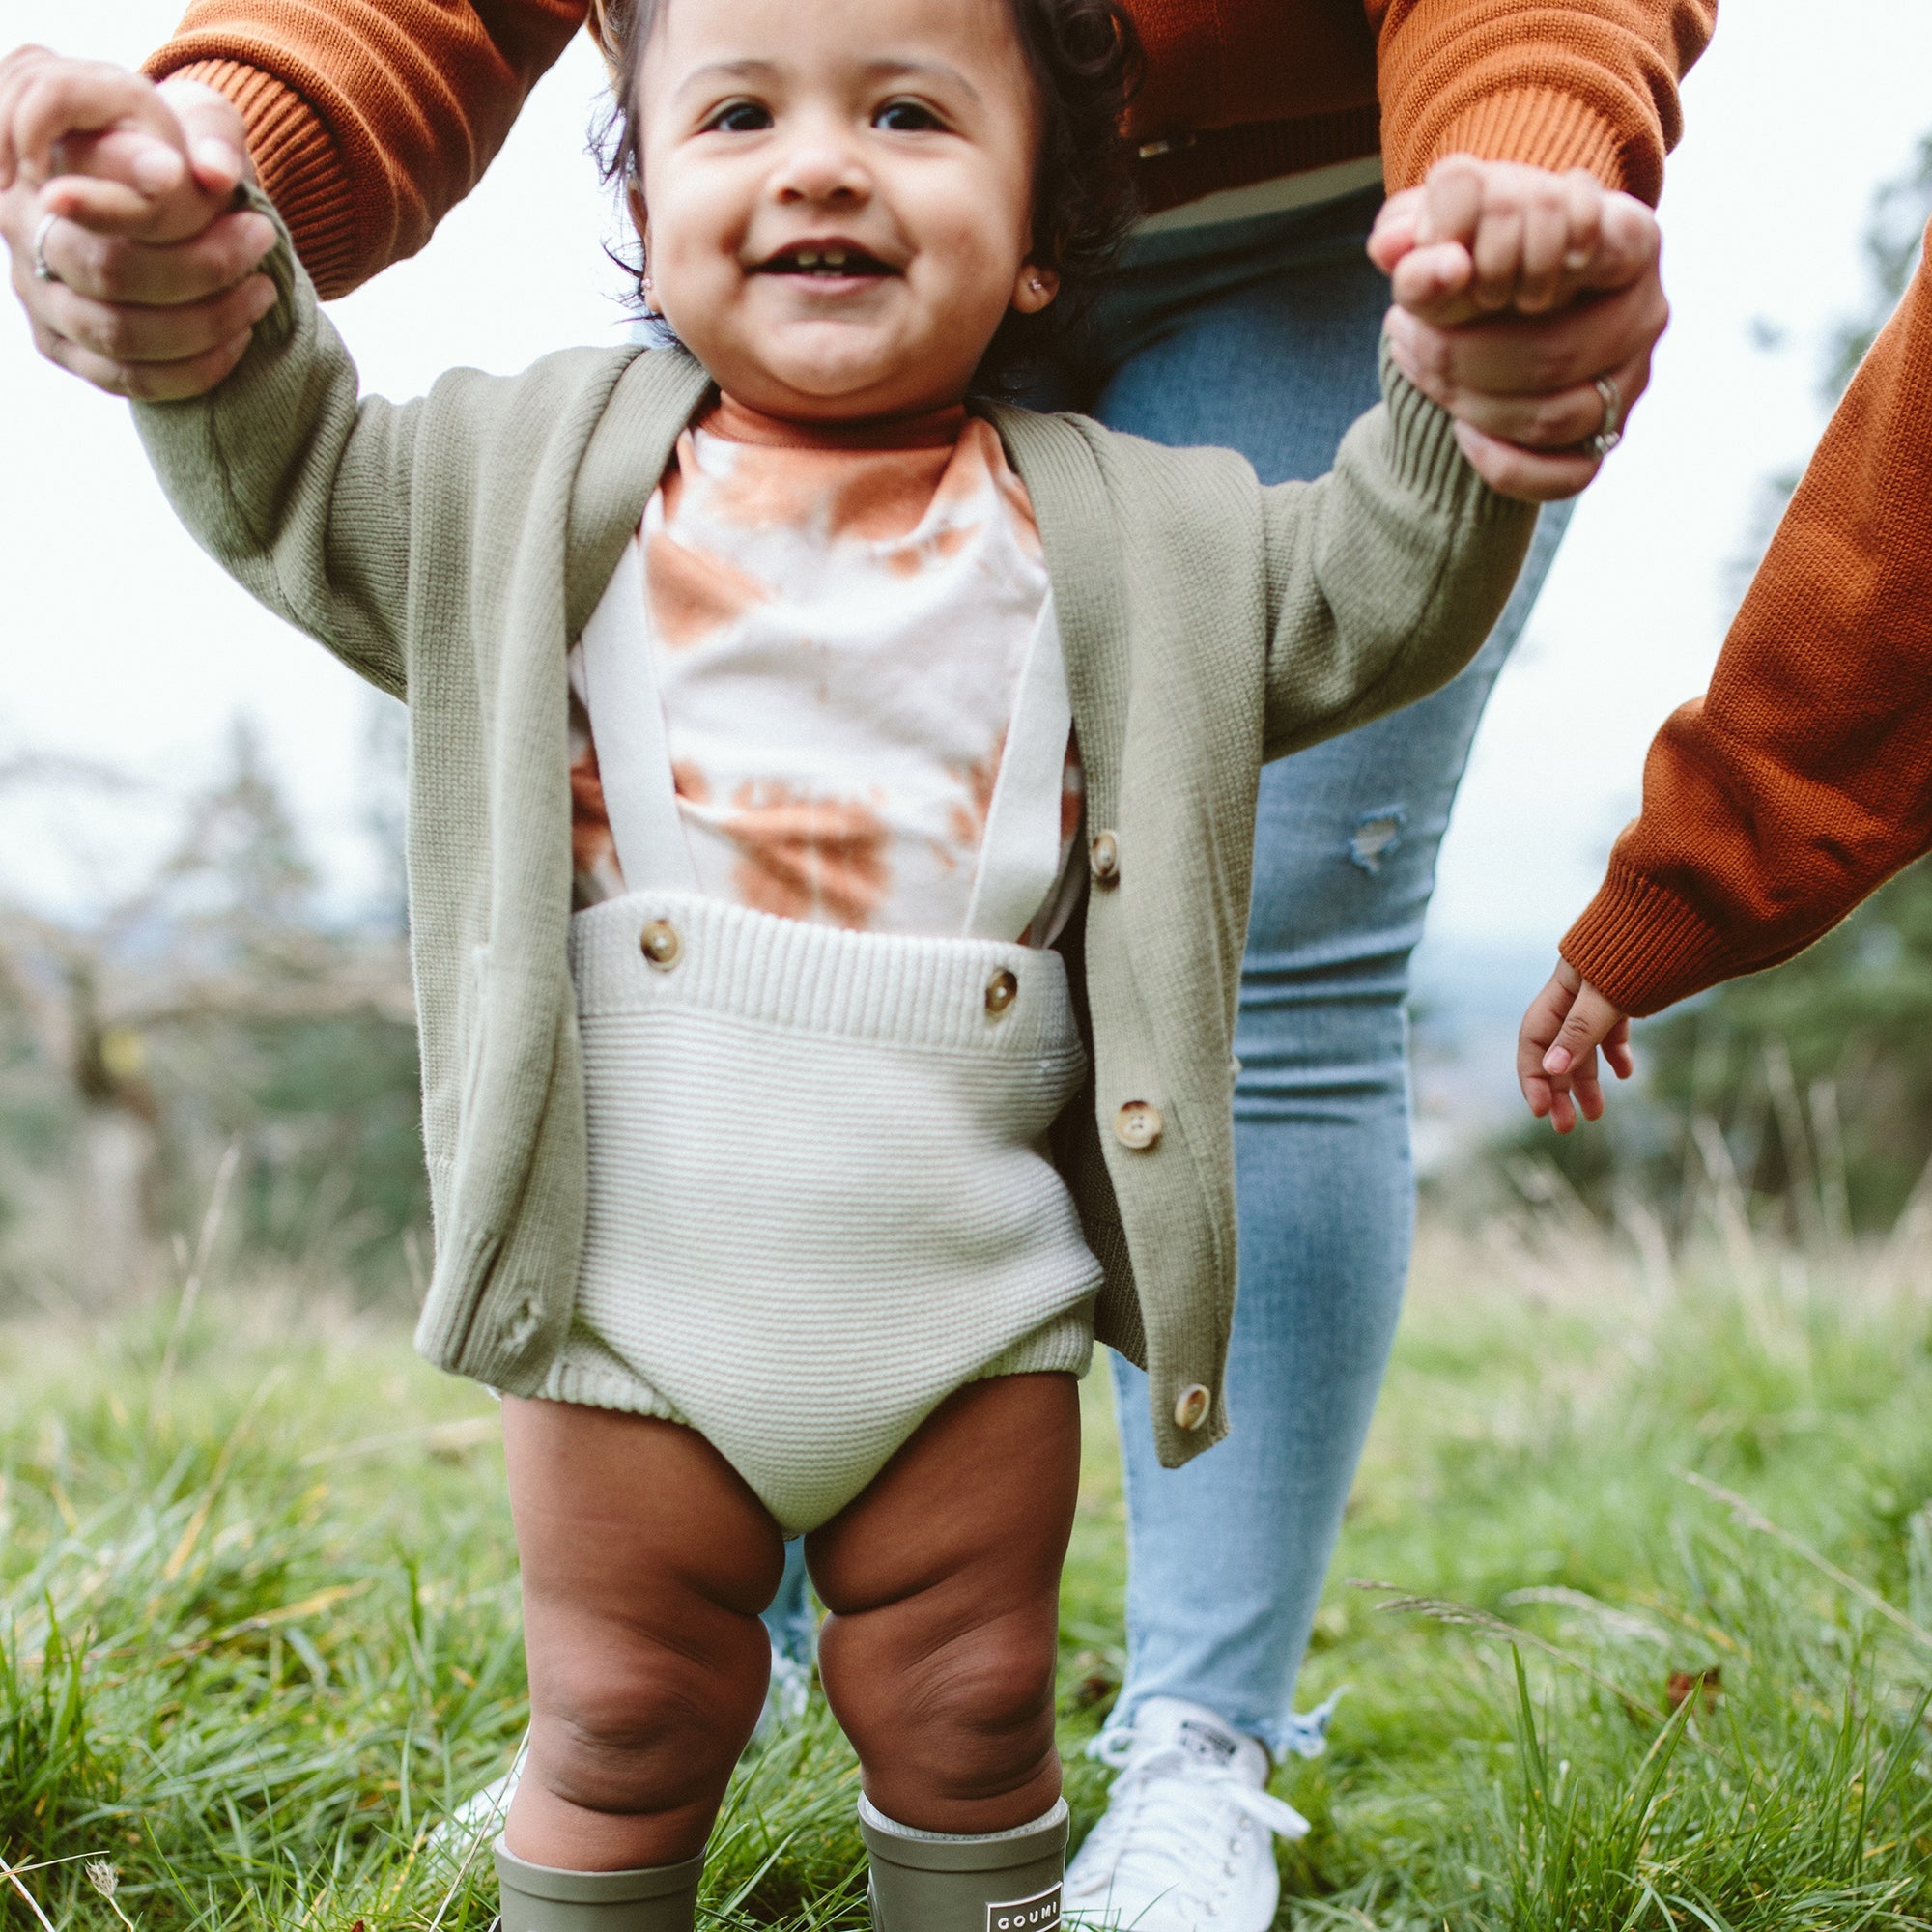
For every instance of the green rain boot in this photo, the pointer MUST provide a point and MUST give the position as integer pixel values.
(656, 1898)
(998, 1881)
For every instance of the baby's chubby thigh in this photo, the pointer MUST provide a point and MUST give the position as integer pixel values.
(645, 1561)
(942, 1582)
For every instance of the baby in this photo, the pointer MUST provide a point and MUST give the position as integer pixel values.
(832, 801)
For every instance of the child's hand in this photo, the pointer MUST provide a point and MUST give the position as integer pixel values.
(1527, 305)
(147, 288)
(1556, 1048)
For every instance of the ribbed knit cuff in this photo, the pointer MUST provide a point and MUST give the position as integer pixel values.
(298, 165)
(1538, 126)
(1424, 455)
(1642, 947)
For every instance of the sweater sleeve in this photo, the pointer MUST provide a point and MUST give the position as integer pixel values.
(1557, 83)
(300, 490)
(1385, 575)
(1802, 779)
(369, 119)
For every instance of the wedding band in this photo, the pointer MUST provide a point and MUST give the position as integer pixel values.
(42, 272)
(1610, 433)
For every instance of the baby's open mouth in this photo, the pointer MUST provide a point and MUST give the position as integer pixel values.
(823, 258)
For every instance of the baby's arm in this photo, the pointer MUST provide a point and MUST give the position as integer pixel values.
(1556, 1048)
(298, 489)
(1385, 575)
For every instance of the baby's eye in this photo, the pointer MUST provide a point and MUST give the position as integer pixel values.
(739, 117)
(906, 117)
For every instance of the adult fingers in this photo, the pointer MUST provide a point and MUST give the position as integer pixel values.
(216, 136)
(1434, 278)
(1546, 247)
(1617, 1050)
(146, 382)
(63, 98)
(1394, 233)
(1628, 244)
(115, 270)
(1522, 355)
(1585, 1026)
(16, 69)
(1530, 476)
(1555, 421)
(132, 337)
(1540, 1025)
(1452, 200)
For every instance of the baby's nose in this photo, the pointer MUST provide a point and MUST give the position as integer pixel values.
(822, 166)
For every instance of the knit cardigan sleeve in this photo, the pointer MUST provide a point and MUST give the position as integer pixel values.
(1802, 779)
(369, 119)
(297, 488)
(1556, 83)
(1385, 575)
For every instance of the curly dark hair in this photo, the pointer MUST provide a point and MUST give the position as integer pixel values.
(1085, 58)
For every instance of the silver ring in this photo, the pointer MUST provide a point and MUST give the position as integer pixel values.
(1610, 433)
(42, 272)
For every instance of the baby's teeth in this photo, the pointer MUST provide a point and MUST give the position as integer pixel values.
(835, 258)
(808, 258)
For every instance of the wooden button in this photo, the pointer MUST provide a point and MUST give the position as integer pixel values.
(1103, 858)
(661, 945)
(1138, 1125)
(1191, 1407)
(1002, 990)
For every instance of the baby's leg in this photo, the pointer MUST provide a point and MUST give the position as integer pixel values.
(942, 1584)
(645, 1562)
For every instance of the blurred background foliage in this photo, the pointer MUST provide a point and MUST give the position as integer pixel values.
(212, 1027)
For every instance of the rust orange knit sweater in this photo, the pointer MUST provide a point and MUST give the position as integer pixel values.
(1802, 778)
(370, 119)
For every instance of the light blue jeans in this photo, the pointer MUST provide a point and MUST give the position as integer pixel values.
(1262, 336)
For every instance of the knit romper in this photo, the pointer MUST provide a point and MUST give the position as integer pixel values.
(819, 1199)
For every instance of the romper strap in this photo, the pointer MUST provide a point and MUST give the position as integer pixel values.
(628, 728)
(1019, 853)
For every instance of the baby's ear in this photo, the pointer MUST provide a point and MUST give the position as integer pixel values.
(640, 216)
(1034, 288)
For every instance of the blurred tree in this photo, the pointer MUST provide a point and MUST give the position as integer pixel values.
(212, 1006)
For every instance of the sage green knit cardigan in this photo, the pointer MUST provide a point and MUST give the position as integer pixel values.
(451, 549)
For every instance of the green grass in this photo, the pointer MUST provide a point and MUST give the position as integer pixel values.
(258, 1617)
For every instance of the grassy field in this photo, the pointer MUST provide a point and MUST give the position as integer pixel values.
(258, 1620)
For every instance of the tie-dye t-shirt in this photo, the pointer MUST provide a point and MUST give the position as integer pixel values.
(839, 629)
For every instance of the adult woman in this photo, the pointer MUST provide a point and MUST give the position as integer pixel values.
(1245, 314)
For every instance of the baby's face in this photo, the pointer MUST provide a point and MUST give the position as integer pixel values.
(840, 195)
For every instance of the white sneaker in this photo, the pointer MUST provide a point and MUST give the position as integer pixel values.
(1186, 1844)
(479, 1817)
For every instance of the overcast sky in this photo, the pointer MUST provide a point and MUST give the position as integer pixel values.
(120, 643)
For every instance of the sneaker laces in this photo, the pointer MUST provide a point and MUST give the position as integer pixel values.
(1153, 1849)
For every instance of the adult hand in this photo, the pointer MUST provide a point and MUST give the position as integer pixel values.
(154, 289)
(1556, 1049)
(1522, 380)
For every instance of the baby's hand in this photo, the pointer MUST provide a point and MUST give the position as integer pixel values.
(1556, 1048)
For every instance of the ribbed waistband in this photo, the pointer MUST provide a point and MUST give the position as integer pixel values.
(886, 988)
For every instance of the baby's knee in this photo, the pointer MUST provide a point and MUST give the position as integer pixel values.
(973, 1712)
(647, 1733)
